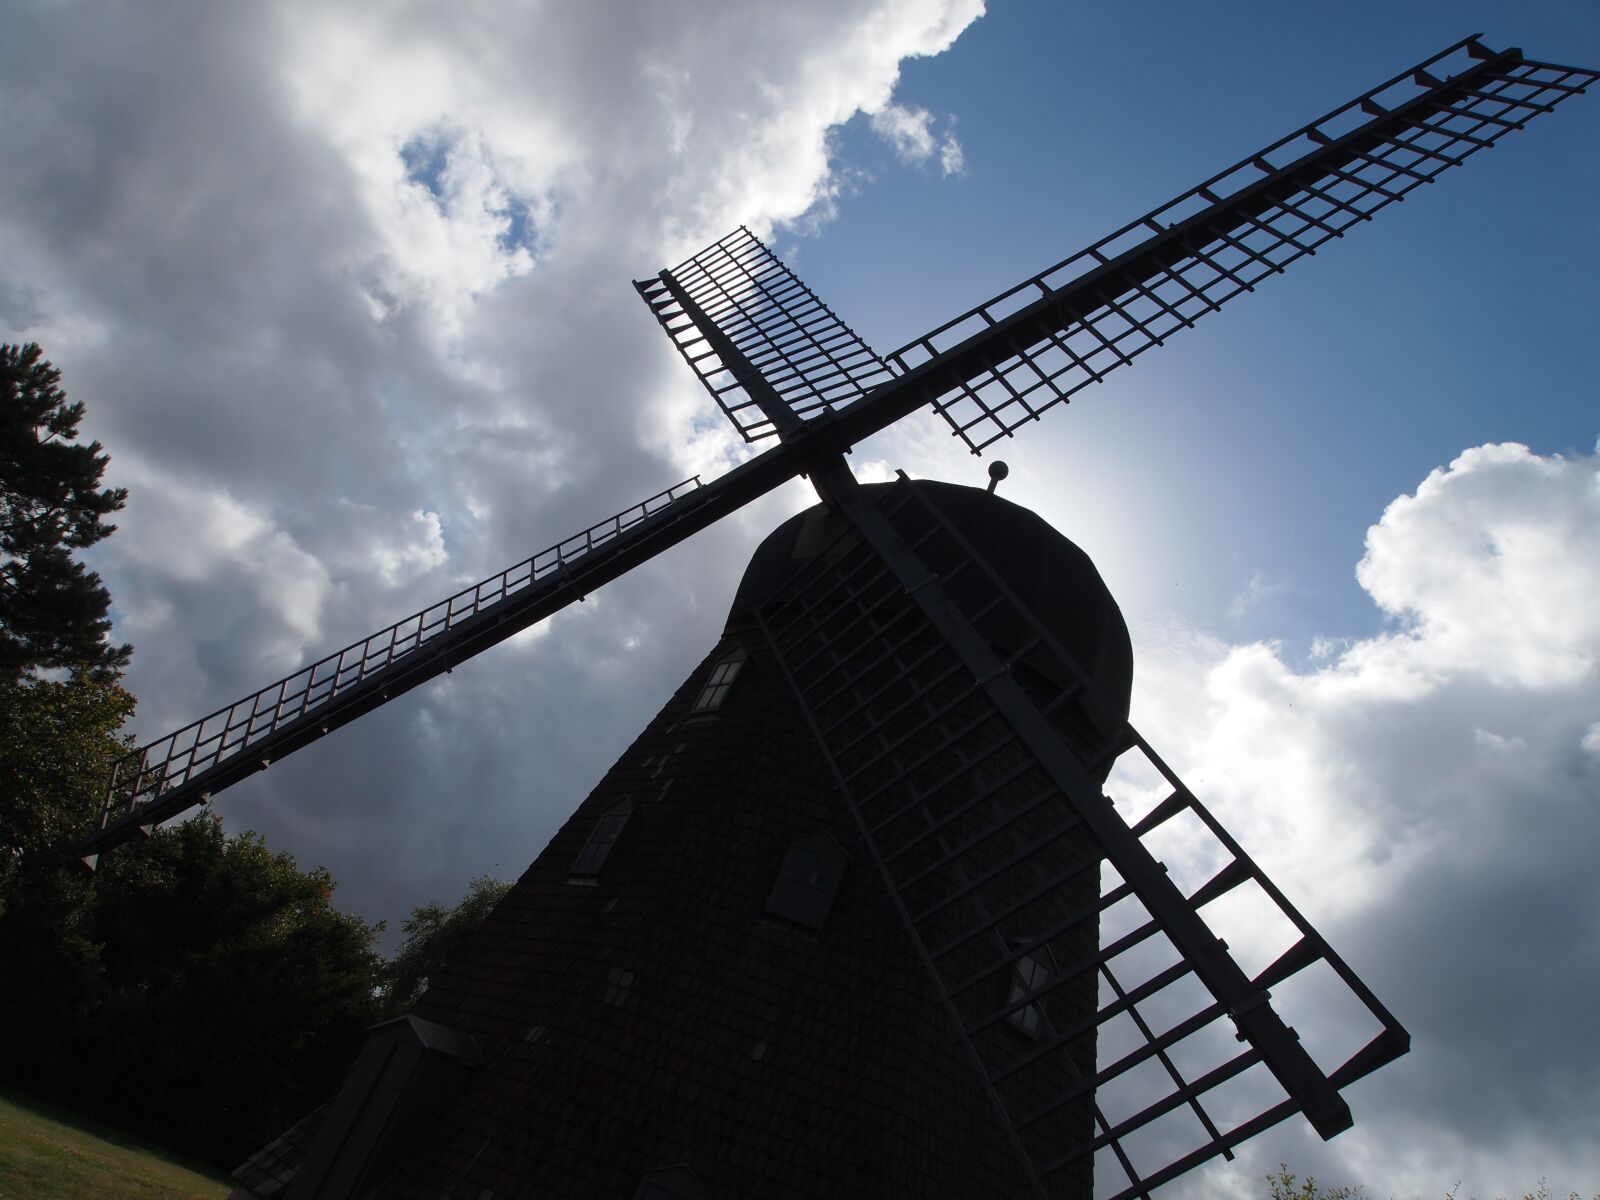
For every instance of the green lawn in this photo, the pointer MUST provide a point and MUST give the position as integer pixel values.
(48, 1154)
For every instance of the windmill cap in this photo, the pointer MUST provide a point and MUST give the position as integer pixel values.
(1054, 579)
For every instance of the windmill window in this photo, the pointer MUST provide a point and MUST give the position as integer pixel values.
(808, 881)
(671, 1183)
(720, 682)
(606, 832)
(1028, 973)
(618, 982)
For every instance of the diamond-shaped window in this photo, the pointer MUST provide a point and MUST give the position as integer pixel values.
(1029, 973)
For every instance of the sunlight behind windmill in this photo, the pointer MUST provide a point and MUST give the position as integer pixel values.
(967, 724)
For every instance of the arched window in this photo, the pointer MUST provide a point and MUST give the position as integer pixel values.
(606, 832)
(720, 681)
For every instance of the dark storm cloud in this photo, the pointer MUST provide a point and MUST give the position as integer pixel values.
(345, 378)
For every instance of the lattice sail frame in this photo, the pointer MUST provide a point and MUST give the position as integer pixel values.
(994, 869)
(736, 295)
(160, 768)
(1156, 275)
(743, 321)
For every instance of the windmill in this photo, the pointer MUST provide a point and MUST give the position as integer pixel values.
(974, 723)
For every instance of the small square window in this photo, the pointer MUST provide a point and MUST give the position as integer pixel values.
(720, 681)
(808, 881)
(606, 832)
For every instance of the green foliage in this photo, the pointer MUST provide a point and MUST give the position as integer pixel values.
(221, 998)
(240, 953)
(1284, 1186)
(57, 743)
(57, 740)
(52, 608)
(433, 933)
(1542, 1192)
(200, 990)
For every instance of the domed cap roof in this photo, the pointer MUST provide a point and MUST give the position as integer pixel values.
(1053, 578)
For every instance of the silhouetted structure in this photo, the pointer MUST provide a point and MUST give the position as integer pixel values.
(855, 916)
(708, 938)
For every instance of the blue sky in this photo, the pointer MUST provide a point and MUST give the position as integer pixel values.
(346, 292)
(1271, 436)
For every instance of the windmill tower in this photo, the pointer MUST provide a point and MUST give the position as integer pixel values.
(856, 914)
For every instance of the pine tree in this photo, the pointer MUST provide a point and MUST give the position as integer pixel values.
(52, 608)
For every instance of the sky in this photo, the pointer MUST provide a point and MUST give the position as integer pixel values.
(345, 288)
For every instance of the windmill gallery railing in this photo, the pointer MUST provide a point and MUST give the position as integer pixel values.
(182, 757)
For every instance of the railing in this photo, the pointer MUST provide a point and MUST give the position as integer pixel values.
(173, 760)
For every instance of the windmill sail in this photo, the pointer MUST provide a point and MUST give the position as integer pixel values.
(178, 771)
(774, 357)
(747, 325)
(1035, 345)
(971, 779)
(778, 361)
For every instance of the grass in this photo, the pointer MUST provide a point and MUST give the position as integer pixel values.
(49, 1154)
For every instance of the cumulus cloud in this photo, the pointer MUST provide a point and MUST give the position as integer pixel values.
(1431, 797)
(1492, 565)
(346, 290)
(909, 131)
(1257, 590)
(1591, 740)
(221, 587)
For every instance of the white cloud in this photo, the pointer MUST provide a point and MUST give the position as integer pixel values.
(1491, 741)
(1422, 796)
(909, 131)
(392, 549)
(216, 584)
(1256, 590)
(346, 289)
(952, 159)
(1494, 566)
